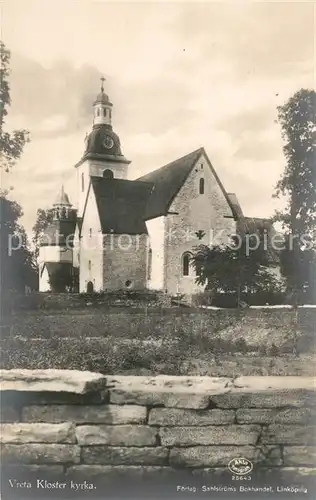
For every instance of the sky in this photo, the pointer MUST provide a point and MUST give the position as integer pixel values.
(181, 75)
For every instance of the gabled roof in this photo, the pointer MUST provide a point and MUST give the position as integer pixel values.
(121, 205)
(168, 181)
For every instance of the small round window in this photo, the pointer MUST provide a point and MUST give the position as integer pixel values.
(128, 284)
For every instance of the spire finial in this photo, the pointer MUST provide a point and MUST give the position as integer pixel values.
(102, 83)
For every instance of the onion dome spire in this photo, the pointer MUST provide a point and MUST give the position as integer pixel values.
(102, 107)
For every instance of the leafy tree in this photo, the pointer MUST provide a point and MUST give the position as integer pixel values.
(44, 217)
(233, 268)
(300, 274)
(17, 268)
(11, 144)
(298, 185)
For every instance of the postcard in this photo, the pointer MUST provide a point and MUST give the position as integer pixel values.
(158, 256)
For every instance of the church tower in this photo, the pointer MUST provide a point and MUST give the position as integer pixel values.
(102, 156)
(56, 244)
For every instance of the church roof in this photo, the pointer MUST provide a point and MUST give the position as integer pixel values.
(168, 181)
(97, 145)
(103, 98)
(62, 199)
(121, 205)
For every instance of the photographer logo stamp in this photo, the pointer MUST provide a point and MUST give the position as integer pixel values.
(240, 466)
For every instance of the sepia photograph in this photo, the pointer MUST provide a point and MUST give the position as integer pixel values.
(157, 249)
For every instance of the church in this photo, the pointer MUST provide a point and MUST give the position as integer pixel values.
(138, 234)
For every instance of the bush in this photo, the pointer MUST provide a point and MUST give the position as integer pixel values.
(274, 350)
(229, 300)
(241, 346)
(202, 299)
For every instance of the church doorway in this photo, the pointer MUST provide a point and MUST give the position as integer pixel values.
(89, 287)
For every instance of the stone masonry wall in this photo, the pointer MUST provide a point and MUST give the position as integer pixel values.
(191, 212)
(87, 425)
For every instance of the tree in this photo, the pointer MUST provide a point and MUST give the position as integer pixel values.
(300, 274)
(233, 268)
(17, 268)
(298, 185)
(11, 144)
(44, 217)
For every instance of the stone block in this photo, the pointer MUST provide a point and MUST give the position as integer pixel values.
(169, 417)
(40, 454)
(288, 434)
(269, 455)
(299, 455)
(155, 398)
(300, 416)
(239, 398)
(106, 414)
(168, 391)
(73, 381)
(209, 456)
(111, 455)
(211, 435)
(268, 383)
(47, 398)
(37, 433)
(9, 413)
(122, 435)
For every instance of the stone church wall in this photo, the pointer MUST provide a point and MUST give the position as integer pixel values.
(125, 262)
(87, 426)
(156, 273)
(91, 255)
(206, 212)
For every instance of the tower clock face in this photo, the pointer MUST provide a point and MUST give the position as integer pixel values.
(108, 142)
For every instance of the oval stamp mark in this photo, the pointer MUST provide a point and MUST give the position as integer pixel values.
(240, 466)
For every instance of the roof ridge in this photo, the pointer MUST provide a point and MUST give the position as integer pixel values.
(199, 150)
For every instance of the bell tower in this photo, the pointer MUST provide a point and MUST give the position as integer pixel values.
(62, 206)
(103, 154)
(102, 108)
(56, 244)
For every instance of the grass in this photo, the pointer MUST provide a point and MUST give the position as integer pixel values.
(159, 341)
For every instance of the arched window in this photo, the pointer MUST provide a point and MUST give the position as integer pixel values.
(104, 111)
(201, 186)
(89, 265)
(90, 232)
(108, 174)
(82, 182)
(98, 112)
(186, 264)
